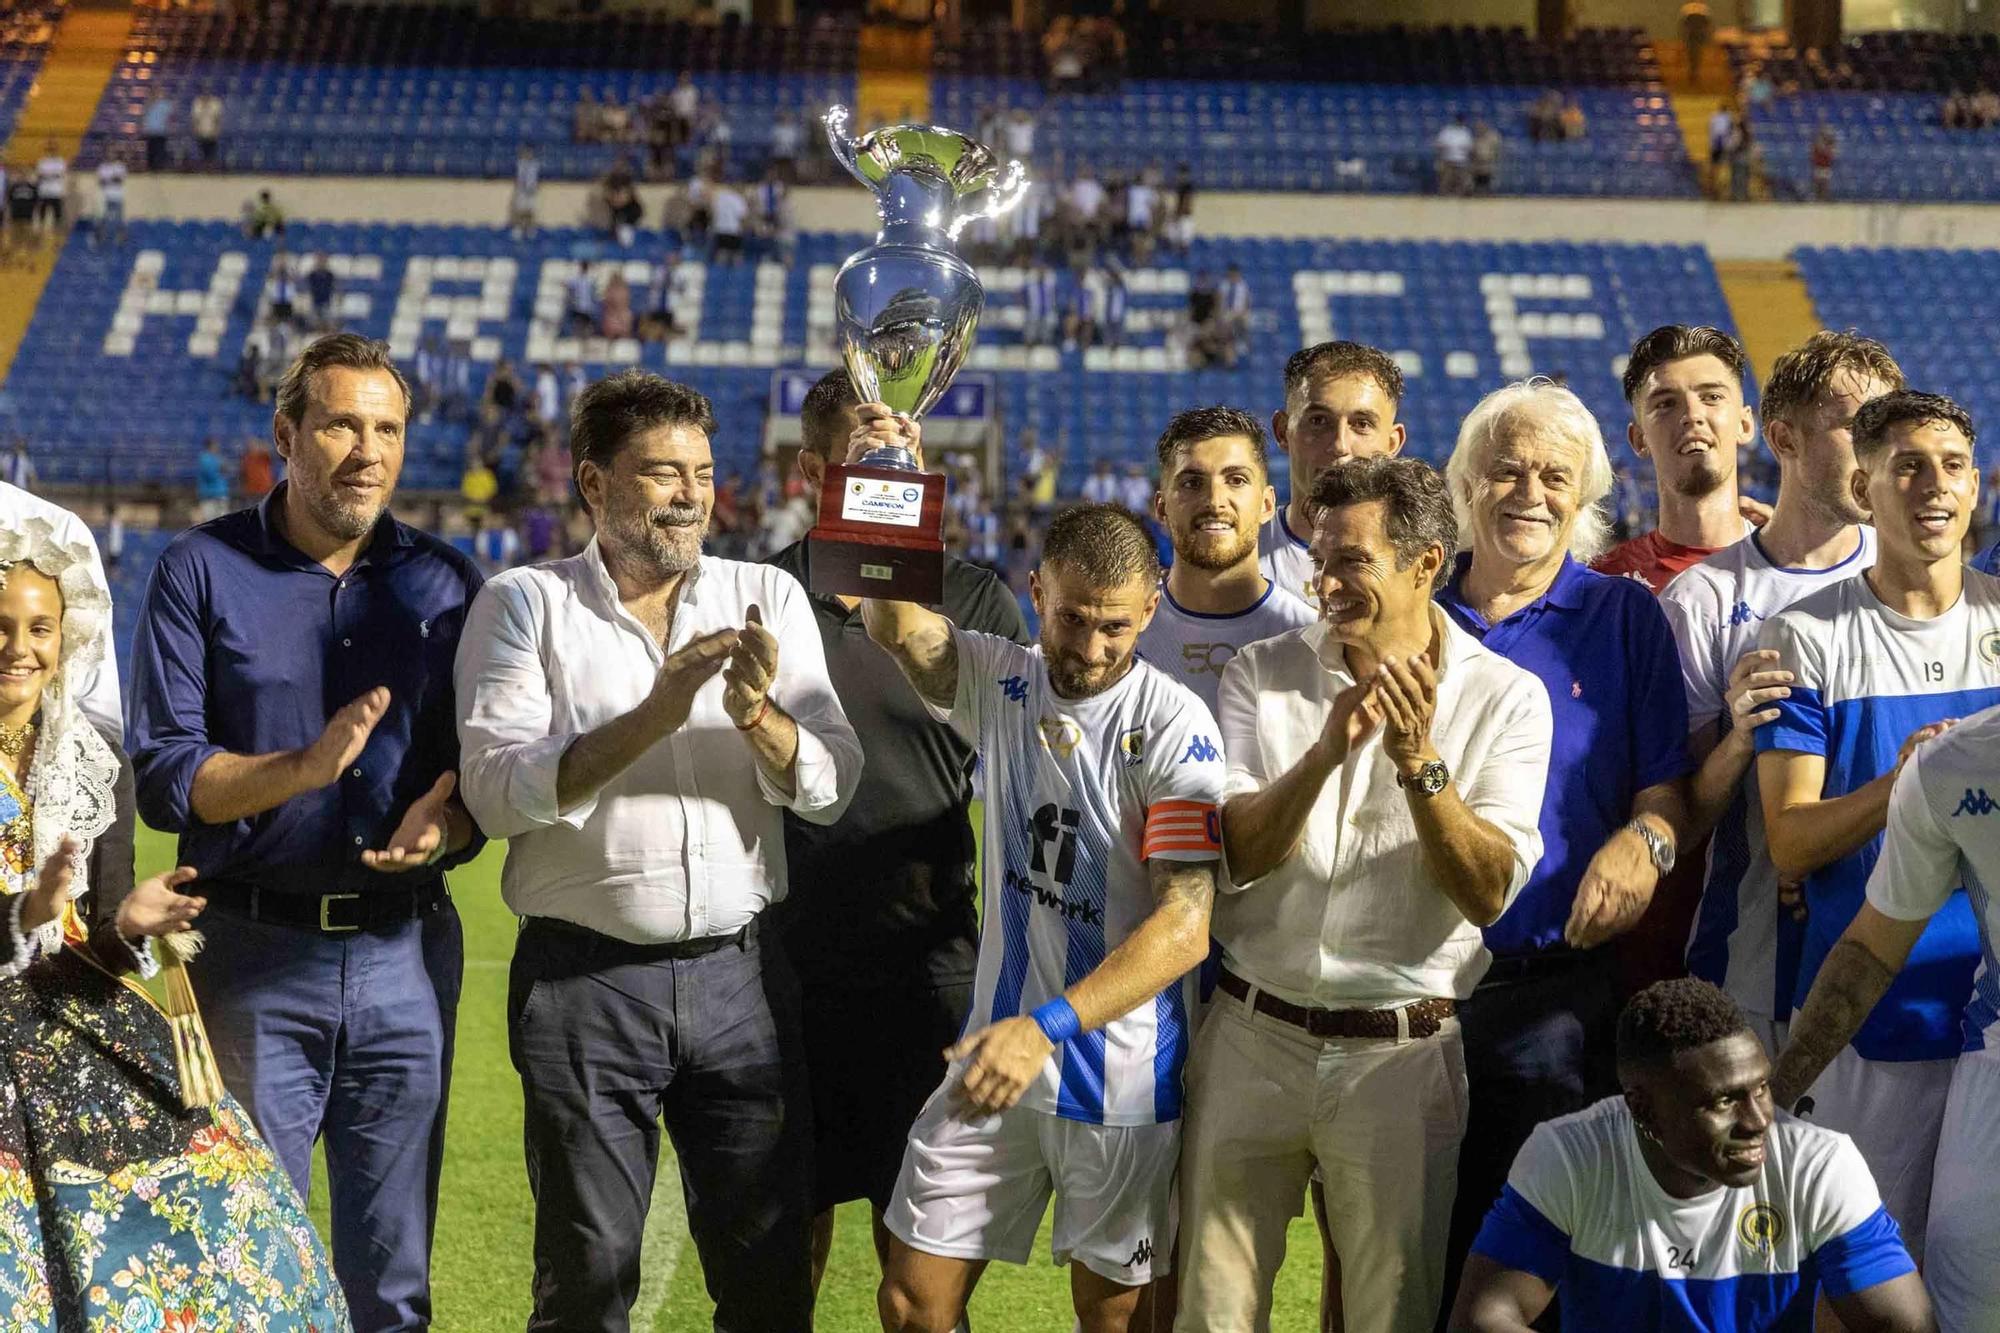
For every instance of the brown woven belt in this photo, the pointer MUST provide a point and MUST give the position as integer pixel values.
(1424, 1017)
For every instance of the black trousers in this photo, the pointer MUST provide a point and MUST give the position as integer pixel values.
(611, 1040)
(1540, 1034)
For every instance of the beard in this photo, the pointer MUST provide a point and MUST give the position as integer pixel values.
(1833, 497)
(1071, 679)
(1702, 479)
(346, 519)
(1213, 551)
(665, 538)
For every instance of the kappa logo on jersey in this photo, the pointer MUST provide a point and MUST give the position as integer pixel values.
(1760, 1227)
(1201, 750)
(1015, 688)
(1202, 659)
(1975, 802)
(1060, 736)
(1133, 746)
(1741, 614)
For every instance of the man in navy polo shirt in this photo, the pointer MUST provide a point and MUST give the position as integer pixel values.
(1528, 476)
(292, 718)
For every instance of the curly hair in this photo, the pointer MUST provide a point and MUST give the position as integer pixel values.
(1534, 407)
(1669, 1017)
(607, 414)
(1906, 407)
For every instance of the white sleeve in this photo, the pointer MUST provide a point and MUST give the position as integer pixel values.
(989, 667)
(1183, 785)
(1840, 1192)
(1236, 717)
(828, 762)
(1919, 865)
(508, 760)
(1697, 636)
(1506, 790)
(1543, 1175)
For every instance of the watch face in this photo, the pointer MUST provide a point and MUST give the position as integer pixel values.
(1432, 778)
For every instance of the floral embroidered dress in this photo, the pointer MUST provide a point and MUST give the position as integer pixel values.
(121, 1210)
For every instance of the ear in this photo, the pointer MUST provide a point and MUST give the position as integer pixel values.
(1152, 605)
(1857, 486)
(1279, 425)
(590, 485)
(1635, 439)
(813, 468)
(1398, 435)
(1783, 442)
(1269, 508)
(283, 431)
(1160, 507)
(1035, 593)
(1427, 564)
(1640, 1102)
(1747, 431)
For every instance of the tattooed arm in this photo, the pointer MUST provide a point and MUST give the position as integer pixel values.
(1854, 976)
(921, 642)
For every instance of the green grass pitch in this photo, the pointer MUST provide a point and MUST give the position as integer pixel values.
(485, 1225)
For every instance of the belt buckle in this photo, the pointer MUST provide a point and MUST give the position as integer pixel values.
(325, 901)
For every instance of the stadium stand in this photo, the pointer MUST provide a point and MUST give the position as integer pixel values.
(127, 366)
(24, 40)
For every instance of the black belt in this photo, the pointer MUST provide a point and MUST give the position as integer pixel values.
(627, 951)
(1424, 1017)
(328, 913)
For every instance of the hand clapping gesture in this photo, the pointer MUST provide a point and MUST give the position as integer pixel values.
(753, 665)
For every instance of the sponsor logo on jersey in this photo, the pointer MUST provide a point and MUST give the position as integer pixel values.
(1133, 746)
(1975, 802)
(1201, 750)
(1060, 736)
(1053, 899)
(1760, 1227)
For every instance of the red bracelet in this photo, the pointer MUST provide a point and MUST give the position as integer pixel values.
(763, 707)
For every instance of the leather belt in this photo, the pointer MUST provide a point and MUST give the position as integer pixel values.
(671, 951)
(1424, 1017)
(329, 913)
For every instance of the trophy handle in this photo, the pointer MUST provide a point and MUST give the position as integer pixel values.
(835, 121)
(1006, 196)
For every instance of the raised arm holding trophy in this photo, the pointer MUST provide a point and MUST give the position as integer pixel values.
(905, 310)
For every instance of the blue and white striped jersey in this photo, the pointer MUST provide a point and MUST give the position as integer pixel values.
(1080, 794)
(1944, 832)
(1582, 1211)
(1741, 941)
(1867, 678)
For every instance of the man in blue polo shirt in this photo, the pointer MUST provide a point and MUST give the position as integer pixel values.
(292, 717)
(1528, 474)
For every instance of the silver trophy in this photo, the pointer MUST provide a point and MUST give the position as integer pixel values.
(905, 308)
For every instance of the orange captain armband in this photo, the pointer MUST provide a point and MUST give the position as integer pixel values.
(1182, 826)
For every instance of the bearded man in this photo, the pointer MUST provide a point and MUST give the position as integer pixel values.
(637, 720)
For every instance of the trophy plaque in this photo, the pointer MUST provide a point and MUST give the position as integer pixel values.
(905, 309)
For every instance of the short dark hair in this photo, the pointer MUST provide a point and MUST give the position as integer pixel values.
(1802, 375)
(346, 351)
(1669, 1017)
(1107, 542)
(1678, 342)
(1414, 493)
(1330, 360)
(607, 414)
(1906, 407)
(819, 415)
(1210, 423)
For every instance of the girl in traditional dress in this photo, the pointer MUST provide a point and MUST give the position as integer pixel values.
(125, 1205)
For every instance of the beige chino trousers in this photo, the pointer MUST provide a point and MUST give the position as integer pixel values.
(1381, 1118)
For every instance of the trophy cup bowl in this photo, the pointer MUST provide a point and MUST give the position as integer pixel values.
(905, 312)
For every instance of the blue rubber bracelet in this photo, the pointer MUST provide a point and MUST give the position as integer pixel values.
(1057, 1020)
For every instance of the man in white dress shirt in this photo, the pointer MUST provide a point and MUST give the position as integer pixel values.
(1383, 798)
(637, 719)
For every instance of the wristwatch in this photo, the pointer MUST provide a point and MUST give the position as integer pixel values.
(1428, 780)
(1661, 849)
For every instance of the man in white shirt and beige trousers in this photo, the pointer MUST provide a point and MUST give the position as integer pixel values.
(1385, 782)
(636, 719)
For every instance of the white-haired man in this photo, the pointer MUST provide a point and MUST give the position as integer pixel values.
(1528, 477)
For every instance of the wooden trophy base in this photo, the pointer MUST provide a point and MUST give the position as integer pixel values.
(880, 534)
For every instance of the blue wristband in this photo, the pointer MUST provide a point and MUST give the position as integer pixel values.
(1057, 1021)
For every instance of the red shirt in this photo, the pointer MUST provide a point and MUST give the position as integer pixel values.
(1651, 559)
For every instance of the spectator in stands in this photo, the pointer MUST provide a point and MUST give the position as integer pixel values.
(774, 217)
(1019, 135)
(477, 485)
(20, 468)
(110, 203)
(1024, 224)
(495, 544)
(1086, 212)
(1233, 308)
(320, 290)
(205, 116)
(684, 102)
(619, 195)
(262, 217)
(1545, 117)
(1454, 157)
(1575, 125)
(1721, 130)
(1085, 325)
(587, 123)
(614, 121)
(503, 391)
(1485, 156)
(1956, 113)
(788, 137)
(581, 304)
(1985, 109)
(655, 127)
(1742, 153)
(1825, 151)
(1041, 304)
(695, 209)
(22, 195)
(211, 484)
(616, 321)
(548, 400)
(1101, 486)
(255, 474)
(51, 187)
(729, 211)
(456, 398)
(281, 290)
(154, 126)
(1135, 489)
(527, 185)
